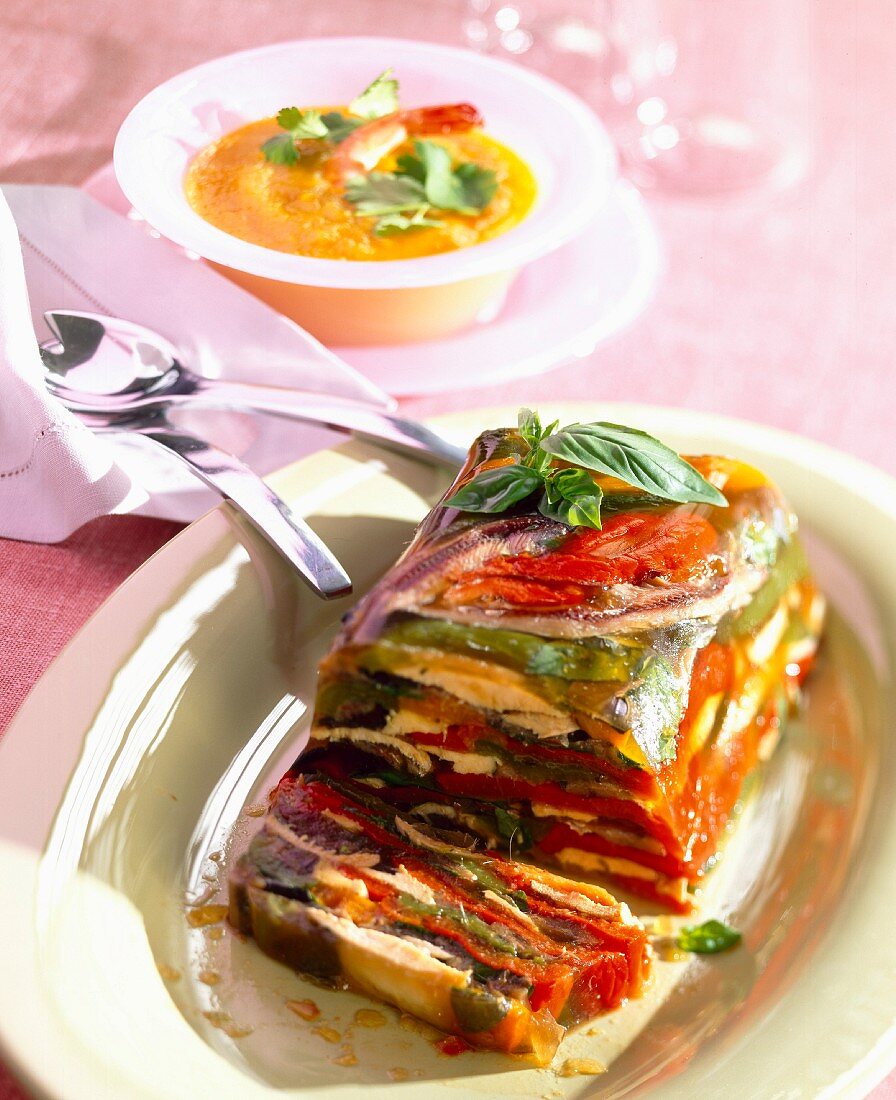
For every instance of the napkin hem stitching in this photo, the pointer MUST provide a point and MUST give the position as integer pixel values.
(52, 429)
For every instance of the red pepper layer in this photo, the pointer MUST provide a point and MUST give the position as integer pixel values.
(501, 788)
(631, 548)
(463, 738)
(596, 965)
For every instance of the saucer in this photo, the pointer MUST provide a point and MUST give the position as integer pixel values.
(559, 308)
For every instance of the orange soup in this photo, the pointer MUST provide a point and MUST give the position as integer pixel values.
(298, 208)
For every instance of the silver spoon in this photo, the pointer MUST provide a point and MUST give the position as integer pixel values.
(105, 365)
(243, 489)
(221, 471)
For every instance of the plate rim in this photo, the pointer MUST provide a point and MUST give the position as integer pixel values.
(858, 476)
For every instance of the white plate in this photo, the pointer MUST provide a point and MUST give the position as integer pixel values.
(185, 697)
(561, 307)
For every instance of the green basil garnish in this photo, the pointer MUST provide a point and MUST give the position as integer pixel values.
(708, 938)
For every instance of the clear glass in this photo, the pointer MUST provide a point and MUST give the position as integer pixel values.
(704, 97)
(712, 96)
(567, 40)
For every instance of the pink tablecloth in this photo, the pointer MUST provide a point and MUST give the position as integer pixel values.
(780, 312)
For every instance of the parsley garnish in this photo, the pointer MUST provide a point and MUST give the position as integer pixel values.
(571, 495)
(298, 125)
(399, 223)
(468, 188)
(400, 200)
(385, 193)
(378, 99)
(423, 181)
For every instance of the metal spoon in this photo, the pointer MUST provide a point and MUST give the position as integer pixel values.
(106, 365)
(245, 490)
(80, 340)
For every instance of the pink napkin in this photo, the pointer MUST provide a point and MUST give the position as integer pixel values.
(55, 475)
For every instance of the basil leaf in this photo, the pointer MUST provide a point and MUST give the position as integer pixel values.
(760, 543)
(497, 489)
(708, 938)
(378, 98)
(385, 193)
(339, 126)
(572, 498)
(634, 457)
(281, 150)
(529, 424)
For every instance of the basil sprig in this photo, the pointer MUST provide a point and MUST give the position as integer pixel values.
(635, 458)
(569, 494)
(708, 938)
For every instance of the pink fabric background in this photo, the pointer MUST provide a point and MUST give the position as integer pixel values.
(780, 311)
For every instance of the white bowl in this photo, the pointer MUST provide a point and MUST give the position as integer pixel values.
(560, 139)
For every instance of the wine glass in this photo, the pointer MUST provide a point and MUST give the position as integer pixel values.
(704, 97)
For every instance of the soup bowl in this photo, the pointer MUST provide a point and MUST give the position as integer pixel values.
(360, 301)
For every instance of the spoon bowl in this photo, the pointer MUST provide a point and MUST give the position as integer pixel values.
(99, 358)
(98, 364)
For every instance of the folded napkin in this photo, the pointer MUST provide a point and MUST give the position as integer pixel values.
(55, 475)
(78, 254)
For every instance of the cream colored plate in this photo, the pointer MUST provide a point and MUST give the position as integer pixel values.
(134, 759)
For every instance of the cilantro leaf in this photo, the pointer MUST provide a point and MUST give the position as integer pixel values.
(477, 183)
(409, 165)
(468, 188)
(287, 117)
(382, 193)
(280, 150)
(390, 224)
(496, 489)
(378, 98)
(301, 124)
(443, 188)
(708, 938)
(339, 126)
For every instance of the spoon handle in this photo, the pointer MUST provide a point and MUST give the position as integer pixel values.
(395, 432)
(247, 492)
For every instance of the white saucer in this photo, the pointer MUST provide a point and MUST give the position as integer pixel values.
(560, 307)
